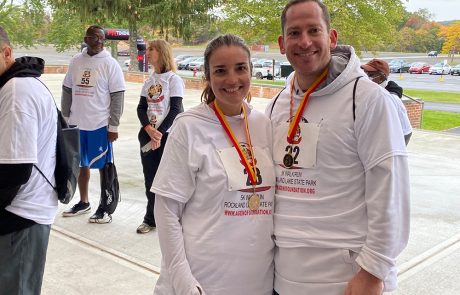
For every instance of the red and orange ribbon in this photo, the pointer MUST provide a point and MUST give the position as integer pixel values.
(295, 122)
(228, 130)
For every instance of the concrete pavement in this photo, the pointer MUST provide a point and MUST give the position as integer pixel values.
(100, 259)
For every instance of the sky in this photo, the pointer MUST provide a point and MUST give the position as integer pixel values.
(441, 10)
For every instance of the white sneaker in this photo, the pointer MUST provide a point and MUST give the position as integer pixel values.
(144, 228)
(100, 217)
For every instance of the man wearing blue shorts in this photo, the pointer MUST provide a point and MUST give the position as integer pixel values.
(92, 99)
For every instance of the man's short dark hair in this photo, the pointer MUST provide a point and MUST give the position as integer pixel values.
(94, 27)
(4, 40)
(323, 7)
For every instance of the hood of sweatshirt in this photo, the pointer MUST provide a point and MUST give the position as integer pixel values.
(206, 113)
(103, 54)
(26, 66)
(344, 67)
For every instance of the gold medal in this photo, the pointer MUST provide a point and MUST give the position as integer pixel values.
(254, 202)
(288, 160)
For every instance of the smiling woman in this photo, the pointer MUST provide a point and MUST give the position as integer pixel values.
(219, 153)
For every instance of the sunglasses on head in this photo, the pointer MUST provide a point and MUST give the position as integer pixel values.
(95, 38)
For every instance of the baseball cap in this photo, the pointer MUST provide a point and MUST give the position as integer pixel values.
(377, 65)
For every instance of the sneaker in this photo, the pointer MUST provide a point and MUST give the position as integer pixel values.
(144, 228)
(77, 209)
(100, 217)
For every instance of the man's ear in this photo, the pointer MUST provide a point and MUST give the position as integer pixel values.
(8, 55)
(333, 36)
(281, 44)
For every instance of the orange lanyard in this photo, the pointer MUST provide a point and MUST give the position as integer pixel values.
(250, 168)
(295, 122)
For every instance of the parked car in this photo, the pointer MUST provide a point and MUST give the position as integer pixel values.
(181, 57)
(419, 68)
(433, 53)
(124, 52)
(264, 69)
(440, 69)
(184, 64)
(197, 64)
(455, 70)
(127, 62)
(399, 66)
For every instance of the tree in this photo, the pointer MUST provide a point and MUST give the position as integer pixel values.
(361, 23)
(256, 21)
(366, 24)
(164, 16)
(67, 30)
(23, 21)
(451, 35)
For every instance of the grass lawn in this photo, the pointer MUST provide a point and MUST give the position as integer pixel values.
(426, 95)
(434, 96)
(440, 121)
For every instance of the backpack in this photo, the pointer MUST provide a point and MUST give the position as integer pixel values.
(67, 167)
(110, 189)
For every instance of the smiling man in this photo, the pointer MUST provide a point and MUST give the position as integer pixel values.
(342, 195)
(92, 99)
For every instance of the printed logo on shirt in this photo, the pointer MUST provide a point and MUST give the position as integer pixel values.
(86, 78)
(247, 153)
(155, 94)
(294, 181)
(240, 207)
(298, 134)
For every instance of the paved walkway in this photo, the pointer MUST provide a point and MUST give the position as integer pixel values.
(101, 259)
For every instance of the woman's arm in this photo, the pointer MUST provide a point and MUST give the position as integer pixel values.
(174, 109)
(168, 213)
(142, 111)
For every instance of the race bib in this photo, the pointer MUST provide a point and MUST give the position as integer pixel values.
(85, 82)
(237, 175)
(303, 148)
(86, 78)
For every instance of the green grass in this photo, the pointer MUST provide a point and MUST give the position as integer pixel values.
(426, 95)
(434, 96)
(439, 120)
(268, 82)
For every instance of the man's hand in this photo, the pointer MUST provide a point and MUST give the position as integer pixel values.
(364, 283)
(112, 136)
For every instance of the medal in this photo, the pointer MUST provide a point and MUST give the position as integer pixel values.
(249, 165)
(254, 202)
(288, 160)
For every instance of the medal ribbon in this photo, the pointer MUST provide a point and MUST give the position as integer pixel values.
(295, 122)
(249, 168)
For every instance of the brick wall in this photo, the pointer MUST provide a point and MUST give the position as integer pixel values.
(414, 111)
(56, 69)
(414, 108)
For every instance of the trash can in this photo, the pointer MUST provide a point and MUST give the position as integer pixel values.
(286, 70)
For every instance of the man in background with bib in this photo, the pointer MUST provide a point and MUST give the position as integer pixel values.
(92, 99)
(342, 182)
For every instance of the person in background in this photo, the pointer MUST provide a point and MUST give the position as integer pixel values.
(342, 192)
(28, 203)
(215, 186)
(160, 103)
(378, 71)
(92, 98)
